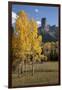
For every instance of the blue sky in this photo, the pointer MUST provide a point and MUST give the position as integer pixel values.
(38, 12)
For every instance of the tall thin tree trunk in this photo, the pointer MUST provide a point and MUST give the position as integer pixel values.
(22, 66)
(32, 67)
(18, 71)
(25, 68)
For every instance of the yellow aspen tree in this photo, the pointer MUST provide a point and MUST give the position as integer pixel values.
(28, 41)
(35, 42)
(22, 27)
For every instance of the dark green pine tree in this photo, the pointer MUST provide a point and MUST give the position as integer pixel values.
(43, 32)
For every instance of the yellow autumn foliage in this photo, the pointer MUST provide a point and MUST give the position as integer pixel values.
(28, 39)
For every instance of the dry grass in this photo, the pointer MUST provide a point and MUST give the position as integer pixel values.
(46, 73)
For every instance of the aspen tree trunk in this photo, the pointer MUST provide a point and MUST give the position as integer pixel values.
(33, 66)
(22, 66)
(18, 71)
(25, 68)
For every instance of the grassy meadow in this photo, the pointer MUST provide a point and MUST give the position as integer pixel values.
(45, 73)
